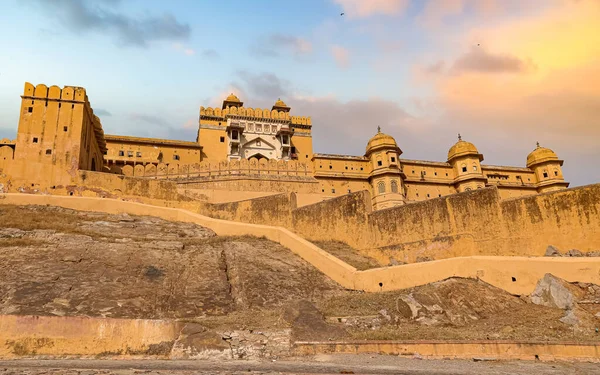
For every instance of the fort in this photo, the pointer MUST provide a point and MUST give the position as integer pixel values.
(252, 172)
(257, 166)
(254, 151)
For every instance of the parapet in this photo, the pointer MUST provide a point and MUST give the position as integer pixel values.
(71, 94)
(41, 91)
(253, 113)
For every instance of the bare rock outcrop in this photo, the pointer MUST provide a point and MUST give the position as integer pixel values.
(552, 291)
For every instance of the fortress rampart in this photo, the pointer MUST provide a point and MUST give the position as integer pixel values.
(517, 275)
(472, 223)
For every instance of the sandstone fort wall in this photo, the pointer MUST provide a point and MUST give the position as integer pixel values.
(471, 223)
(270, 210)
(517, 275)
(343, 219)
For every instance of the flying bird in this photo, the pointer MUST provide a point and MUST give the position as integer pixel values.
(341, 14)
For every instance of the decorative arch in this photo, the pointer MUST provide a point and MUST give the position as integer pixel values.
(394, 186)
(381, 187)
(257, 157)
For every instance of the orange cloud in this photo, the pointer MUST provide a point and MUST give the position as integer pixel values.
(366, 8)
(341, 56)
(558, 101)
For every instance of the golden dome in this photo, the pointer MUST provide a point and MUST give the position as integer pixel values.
(280, 103)
(462, 148)
(381, 140)
(232, 98)
(540, 155)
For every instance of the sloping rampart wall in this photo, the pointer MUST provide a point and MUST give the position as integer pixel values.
(517, 275)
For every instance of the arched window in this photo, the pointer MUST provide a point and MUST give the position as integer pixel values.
(468, 189)
(394, 186)
(381, 187)
(475, 167)
(464, 167)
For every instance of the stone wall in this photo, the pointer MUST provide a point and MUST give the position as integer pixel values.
(176, 170)
(516, 275)
(254, 183)
(113, 186)
(270, 210)
(478, 222)
(342, 219)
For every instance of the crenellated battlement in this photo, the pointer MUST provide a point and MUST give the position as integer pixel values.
(204, 169)
(68, 93)
(252, 113)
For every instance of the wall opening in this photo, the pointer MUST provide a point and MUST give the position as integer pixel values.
(222, 139)
(48, 152)
(35, 140)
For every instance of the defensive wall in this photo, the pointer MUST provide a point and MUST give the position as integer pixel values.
(64, 337)
(472, 223)
(517, 275)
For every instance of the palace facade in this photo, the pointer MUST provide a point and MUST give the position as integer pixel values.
(244, 149)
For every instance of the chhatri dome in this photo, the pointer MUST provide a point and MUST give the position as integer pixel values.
(281, 106)
(463, 148)
(232, 101)
(232, 98)
(381, 140)
(540, 155)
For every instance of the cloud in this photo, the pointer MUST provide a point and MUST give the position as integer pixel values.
(149, 119)
(101, 17)
(183, 49)
(477, 59)
(209, 54)
(159, 127)
(351, 123)
(436, 11)
(101, 112)
(366, 8)
(276, 45)
(264, 85)
(556, 103)
(341, 56)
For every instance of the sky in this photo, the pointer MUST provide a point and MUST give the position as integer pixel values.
(505, 74)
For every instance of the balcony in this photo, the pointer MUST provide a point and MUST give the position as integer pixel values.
(284, 129)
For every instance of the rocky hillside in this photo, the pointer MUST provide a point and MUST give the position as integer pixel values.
(62, 262)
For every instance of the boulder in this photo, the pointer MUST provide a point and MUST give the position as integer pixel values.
(552, 291)
(552, 251)
(574, 253)
(595, 253)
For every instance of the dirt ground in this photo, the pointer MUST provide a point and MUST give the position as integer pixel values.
(326, 364)
(55, 261)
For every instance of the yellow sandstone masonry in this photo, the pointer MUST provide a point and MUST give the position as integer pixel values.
(241, 150)
(82, 336)
(517, 275)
